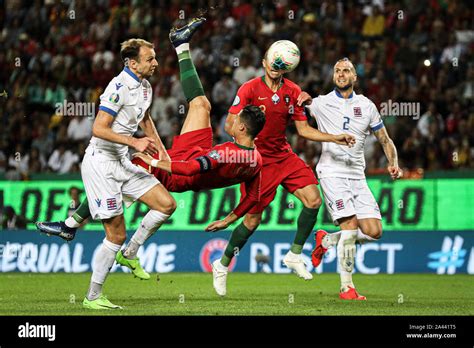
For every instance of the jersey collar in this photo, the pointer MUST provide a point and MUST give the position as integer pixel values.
(243, 147)
(279, 86)
(131, 78)
(340, 95)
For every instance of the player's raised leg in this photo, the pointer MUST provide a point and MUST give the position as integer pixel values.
(66, 229)
(199, 112)
(311, 199)
(370, 230)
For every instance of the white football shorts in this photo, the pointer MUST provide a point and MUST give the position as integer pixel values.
(108, 181)
(346, 197)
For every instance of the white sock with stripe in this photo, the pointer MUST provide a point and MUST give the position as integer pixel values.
(150, 223)
(362, 238)
(103, 262)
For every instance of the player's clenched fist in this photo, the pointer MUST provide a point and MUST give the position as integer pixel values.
(145, 145)
(395, 172)
(345, 139)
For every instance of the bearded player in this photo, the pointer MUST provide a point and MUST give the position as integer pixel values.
(195, 164)
(341, 171)
(277, 97)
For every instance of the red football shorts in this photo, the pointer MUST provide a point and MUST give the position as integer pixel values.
(292, 173)
(185, 145)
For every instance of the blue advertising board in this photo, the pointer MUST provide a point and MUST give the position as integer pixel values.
(442, 252)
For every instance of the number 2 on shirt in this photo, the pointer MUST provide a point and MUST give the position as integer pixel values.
(345, 126)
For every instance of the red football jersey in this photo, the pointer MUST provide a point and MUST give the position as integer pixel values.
(221, 166)
(278, 107)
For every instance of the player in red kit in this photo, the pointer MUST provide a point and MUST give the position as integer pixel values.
(194, 164)
(278, 99)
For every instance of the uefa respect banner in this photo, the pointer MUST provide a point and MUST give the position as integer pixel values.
(411, 205)
(444, 253)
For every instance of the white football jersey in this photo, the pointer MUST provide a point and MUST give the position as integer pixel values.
(357, 116)
(126, 98)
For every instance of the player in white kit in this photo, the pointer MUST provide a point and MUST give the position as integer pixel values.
(340, 171)
(108, 175)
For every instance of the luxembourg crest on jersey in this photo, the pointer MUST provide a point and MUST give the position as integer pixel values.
(145, 93)
(357, 111)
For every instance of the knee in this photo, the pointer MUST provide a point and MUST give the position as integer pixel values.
(374, 231)
(252, 221)
(377, 233)
(202, 102)
(168, 206)
(313, 202)
(119, 239)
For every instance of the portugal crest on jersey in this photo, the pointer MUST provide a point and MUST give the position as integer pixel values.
(214, 154)
(275, 99)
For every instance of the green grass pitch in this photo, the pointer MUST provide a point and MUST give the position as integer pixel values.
(247, 294)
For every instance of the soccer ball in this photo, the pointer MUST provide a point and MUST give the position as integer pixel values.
(283, 55)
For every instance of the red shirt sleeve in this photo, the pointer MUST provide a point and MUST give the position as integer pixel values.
(252, 189)
(195, 166)
(242, 99)
(298, 114)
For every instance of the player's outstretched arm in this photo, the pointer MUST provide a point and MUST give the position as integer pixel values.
(102, 129)
(222, 224)
(148, 127)
(306, 131)
(187, 168)
(390, 152)
(252, 188)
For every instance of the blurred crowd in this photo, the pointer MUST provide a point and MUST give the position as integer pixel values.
(59, 52)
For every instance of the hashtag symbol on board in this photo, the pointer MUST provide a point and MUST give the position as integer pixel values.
(450, 257)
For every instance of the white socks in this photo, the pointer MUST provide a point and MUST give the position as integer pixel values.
(346, 249)
(71, 222)
(346, 280)
(181, 48)
(332, 239)
(150, 223)
(363, 238)
(104, 260)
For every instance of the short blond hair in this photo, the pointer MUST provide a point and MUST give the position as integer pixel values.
(130, 49)
(345, 59)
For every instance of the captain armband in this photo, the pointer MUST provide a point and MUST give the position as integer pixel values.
(204, 163)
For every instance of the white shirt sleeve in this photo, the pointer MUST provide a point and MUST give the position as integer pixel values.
(375, 119)
(313, 108)
(113, 98)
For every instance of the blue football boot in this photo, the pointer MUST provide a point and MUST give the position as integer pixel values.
(57, 229)
(184, 34)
